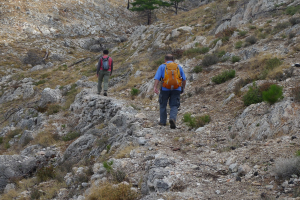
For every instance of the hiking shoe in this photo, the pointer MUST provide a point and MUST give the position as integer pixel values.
(105, 94)
(172, 124)
(161, 124)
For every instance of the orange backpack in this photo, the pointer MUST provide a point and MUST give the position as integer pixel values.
(172, 79)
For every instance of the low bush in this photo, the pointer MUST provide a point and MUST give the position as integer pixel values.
(294, 20)
(296, 93)
(119, 176)
(220, 54)
(273, 63)
(252, 27)
(34, 57)
(286, 167)
(45, 173)
(70, 136)
(238, 44)
(291, 10)
(273, 94)
(70, 96)
(197, 69)
(209, 60)
(53, 109)
(196, 122)
(226, 32)
(199, 90)
(40, 82)
(280, 26)
(242, 33)
(134, 91)
(251, 40)
(1, 140)
(262, 35)
(159, 61)
(224, 76)
(239, 84)
(194, 51)
(235, 59)
(292, 35)
(253, 95)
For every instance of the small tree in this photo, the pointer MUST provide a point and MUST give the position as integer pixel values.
(148, 6)
(175, 3)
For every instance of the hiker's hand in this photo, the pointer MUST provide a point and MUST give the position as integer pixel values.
(156, 90)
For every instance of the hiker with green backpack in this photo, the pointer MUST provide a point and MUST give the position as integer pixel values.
(104, 70)
(174, 80)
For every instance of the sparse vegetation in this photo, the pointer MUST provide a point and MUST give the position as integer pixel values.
(242, 33)
(70, 96)
(195, 51)
(70, 136)
(196, 122)
(108, 166)
(40, 82)
(291, 10)
(238, 44)
(45, 173)
(253, 95)
(197, 69)
(294, 20)
(224, 76)
(107, 191)
(296, 93)
(53, 109)
(280, 26)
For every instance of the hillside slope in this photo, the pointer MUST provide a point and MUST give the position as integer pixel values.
(60, 140)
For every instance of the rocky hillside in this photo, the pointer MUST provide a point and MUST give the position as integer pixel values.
(237, 133)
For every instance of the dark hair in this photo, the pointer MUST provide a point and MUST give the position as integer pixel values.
(105, 52)
(169, 57)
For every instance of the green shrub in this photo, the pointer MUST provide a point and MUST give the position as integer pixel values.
(197, 69)
(253, 95)
(134, 91)
(1, 140)
(70, 136)
(40, 82)
(119, 176)
(209, 60)
(291, 10)
(262, 35)
(273, 63)
(273, 94)
(45, 173)
(53, 108)
(235, 59)
(108, 166)
(238, 44)
(194, 51)
(196, 122)
(13, 133)
(252, 27)
(7, 145)
(242, 33)
(292, 35)
(224, 76)
(298, 153)
(220, 54)
(251, 40)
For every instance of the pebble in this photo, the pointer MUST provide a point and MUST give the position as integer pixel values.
(218, 192)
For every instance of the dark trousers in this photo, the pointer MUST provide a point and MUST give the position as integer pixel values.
(173, 97)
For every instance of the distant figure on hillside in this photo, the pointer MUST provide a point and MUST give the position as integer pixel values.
(104, 70)
(174, 80)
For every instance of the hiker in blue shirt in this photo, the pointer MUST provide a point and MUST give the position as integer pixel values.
(169, 95)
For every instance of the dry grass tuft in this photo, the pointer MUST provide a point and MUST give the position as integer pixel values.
(108, 191)
(124, 153)
(285, 167)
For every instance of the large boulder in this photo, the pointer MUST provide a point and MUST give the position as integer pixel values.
(261, 121)
(50, 96)
(15, 166)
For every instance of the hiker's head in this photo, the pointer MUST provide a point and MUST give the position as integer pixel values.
(169, 57)
(105, 52)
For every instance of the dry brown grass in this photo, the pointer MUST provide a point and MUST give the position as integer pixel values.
(11, 194)
(125, 153)
(47, 137)
(108, 191)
